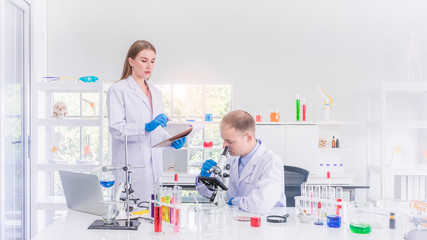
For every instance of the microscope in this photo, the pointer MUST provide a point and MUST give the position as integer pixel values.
(218, 181)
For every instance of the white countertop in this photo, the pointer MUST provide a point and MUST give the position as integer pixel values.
(74, 225)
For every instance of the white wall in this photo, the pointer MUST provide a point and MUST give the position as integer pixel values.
(271, 50)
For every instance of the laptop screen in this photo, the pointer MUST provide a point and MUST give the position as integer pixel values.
(82, 192)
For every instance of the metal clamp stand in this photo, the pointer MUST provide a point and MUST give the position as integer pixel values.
(127, 224)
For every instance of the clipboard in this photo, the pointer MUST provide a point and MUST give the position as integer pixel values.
(169, 141)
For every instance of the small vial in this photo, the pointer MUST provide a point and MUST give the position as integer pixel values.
(392, 222)
(333, 141)
(304, 110)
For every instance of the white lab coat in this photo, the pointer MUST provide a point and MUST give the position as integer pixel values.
(261, 184)
(128, 112)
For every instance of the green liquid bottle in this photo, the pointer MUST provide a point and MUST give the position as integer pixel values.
(298, 109)
(361, 228)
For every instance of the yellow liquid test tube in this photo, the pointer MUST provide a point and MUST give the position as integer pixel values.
(168, 200)
(163, 209)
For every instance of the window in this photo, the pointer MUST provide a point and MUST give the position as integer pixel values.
(188, 103)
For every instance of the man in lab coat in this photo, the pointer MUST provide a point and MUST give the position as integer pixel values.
(256, 174)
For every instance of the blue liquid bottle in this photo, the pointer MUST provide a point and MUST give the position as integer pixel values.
(107, 180)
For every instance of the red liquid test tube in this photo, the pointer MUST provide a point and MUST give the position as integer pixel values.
(157, 218)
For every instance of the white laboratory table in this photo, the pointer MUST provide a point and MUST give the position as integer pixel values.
(73, 225)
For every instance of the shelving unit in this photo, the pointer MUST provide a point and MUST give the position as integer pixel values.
(396, 119)
(297, 144)
(83, 120)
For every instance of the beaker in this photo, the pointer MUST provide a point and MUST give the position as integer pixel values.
(231, 214)
(110, 212)
(333, 219)
(274, 115)
(360, 216)
(220, 218)
(206, 220)
(255, 219)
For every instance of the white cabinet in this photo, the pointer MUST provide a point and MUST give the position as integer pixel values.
(77, 142)
(397, 140)
(297, 143)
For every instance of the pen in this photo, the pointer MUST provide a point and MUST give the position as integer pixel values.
(140, 212)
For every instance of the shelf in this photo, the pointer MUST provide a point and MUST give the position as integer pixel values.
(65, 166)
(68, 122)
(339, 179)
(69, 87)
(334, 149)
(404, 87)
(406, 124)
(407, 170)
(185, 178)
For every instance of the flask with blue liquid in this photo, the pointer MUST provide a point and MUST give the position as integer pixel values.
(107, 180)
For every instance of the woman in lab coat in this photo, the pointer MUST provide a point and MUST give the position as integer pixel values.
(135, 109)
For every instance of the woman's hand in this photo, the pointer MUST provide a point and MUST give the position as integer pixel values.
(178, 143)
(161, 119)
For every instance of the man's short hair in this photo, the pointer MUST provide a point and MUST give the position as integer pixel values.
(240, 120)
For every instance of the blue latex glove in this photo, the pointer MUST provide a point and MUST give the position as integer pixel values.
(178, 143)
(161, 119)
(206, 166)
(229, 202)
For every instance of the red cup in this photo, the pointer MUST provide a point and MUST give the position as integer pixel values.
(258, 118)
(255, 221)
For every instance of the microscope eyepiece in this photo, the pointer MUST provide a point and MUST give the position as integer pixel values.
(225, 152)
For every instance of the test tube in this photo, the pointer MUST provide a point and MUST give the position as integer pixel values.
(316, 192)
(157, 218)
(339, 196)
(332, 193)
(153, 197)
(177, 219)
(163, 209)
(324, 195)
(168, 201)
(310, 193)
(339, 193)
(303, 194)
(171, 209)
(324, 192)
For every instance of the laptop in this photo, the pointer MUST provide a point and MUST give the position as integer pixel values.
(82, 192)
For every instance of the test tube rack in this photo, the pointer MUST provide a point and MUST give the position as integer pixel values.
(310, 206)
